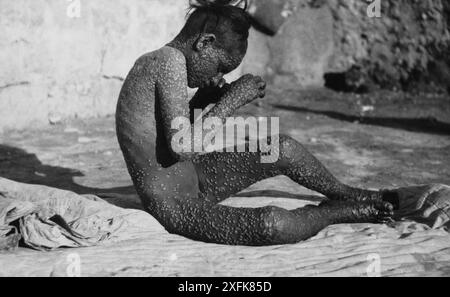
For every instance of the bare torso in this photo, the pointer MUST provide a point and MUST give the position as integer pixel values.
(140, 132)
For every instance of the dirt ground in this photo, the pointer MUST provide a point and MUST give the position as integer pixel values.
(381, 140)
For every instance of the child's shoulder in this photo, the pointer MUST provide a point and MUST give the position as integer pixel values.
(164, 55)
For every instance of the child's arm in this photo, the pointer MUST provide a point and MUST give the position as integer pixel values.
(205, 97)
(240, 93)
(173, 98)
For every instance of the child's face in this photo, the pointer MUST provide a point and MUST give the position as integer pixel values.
(206, 67)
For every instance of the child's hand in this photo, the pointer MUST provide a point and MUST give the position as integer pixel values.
(247, 88)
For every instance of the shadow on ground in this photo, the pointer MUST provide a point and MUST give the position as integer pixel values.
(422, 125)
(18, 165)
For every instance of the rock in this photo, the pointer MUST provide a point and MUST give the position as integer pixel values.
(339, 44)
(404, 49)
(354, 80)
(270, 15)
(301, 50)
(297, 55)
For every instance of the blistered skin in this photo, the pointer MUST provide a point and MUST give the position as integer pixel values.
(182, 191)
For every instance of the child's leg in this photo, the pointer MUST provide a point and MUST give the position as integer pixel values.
(222, 175)
(202, 220)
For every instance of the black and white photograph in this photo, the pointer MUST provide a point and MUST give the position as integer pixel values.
(224, 144)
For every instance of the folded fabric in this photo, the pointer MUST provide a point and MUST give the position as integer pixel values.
(428, 204)
(11, 211)
(47, 218)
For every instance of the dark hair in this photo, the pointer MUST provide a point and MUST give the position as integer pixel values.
(224, 18)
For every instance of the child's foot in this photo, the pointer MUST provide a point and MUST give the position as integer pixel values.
(360, 212)
(392, 197)
(376, 196)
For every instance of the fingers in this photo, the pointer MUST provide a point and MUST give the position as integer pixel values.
(386, 211)
(261, 86)
(247, 76)
(254, 84)
(262, 94)
(217, 81)
(259, 82)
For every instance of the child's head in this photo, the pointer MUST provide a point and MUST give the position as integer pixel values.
(218, 32)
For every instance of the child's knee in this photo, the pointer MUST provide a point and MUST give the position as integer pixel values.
(290, 148)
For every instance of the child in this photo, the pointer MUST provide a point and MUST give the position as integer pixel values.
(182, 190)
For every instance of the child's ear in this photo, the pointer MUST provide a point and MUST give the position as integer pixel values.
(205, 40)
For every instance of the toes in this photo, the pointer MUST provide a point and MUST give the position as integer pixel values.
(393, 198)
(385, 211)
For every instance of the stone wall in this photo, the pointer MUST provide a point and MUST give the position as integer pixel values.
(405, 46)
(297, 44)
(56, 65)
